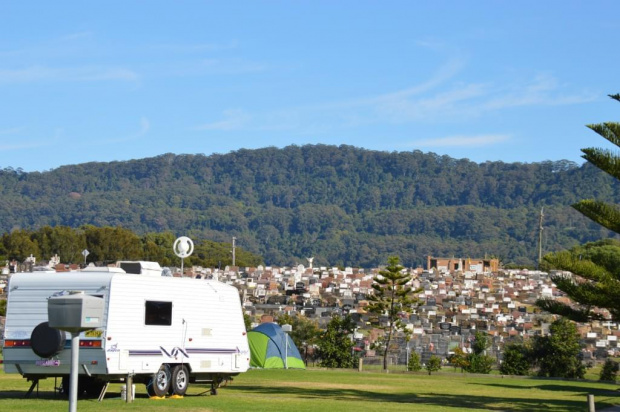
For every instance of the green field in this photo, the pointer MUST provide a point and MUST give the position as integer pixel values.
(327, 390)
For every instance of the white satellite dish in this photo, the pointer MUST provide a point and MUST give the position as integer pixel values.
(183, 247)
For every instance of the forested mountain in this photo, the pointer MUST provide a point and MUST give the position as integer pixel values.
(342, 205)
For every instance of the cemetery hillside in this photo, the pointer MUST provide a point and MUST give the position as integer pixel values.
(342, 204)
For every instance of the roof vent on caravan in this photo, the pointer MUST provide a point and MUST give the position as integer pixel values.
(99, 269)
(141, 268)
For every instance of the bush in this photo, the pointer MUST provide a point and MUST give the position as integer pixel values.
(459, 359)
(414, 364)
(477, 361)
(516, 360)
(480, 363)
(609, 371)
(434, 364)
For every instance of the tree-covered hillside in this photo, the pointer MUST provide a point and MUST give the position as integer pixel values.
(342, 205)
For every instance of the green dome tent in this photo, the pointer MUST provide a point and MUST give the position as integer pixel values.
(270, 346)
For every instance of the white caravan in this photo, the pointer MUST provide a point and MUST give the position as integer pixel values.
(164, 332)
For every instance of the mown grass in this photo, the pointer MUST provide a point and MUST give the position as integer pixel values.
(338, 390)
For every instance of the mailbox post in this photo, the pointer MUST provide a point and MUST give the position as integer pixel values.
(75, 313)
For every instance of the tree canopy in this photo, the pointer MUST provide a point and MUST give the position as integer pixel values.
(110, 244)
(594, 286)
(557, 354)
(335, 343)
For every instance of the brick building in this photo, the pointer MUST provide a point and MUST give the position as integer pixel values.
(463, 264)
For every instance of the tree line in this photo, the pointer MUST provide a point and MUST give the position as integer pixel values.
(110, 244)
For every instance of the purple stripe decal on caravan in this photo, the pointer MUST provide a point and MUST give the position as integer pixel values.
(184, 352)
(144, 352)
(198, 350)
(174, 352)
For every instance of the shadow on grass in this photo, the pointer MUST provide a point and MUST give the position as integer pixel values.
(17, 394)
(558, 388)
(374, 399)
(202, 391)
(437, 399)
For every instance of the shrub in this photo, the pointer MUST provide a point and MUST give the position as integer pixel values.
(433, 364)
(459, 359)
(609, 371)
(414, 364)
(479, 363)
(516, 360)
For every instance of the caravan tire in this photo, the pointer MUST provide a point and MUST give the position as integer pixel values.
(159, 383)
(93, 387)
(46, 341)
(180, 380)
(66, 386)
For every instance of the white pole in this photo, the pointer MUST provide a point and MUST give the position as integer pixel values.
(407, 361)
(286, 352)
(286, 329)
(73, 381)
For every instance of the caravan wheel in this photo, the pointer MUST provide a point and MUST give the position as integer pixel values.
(180, 380)
(159, 384)
(66, 385)
(93, 387)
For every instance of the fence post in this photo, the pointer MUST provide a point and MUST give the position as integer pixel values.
(591, 407)
(360, 364)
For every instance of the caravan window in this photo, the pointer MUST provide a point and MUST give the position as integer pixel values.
(157, 313)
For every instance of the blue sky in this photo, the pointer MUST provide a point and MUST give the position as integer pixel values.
(483, 80)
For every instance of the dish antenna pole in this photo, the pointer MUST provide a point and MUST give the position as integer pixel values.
(233, 250)
(183, 247)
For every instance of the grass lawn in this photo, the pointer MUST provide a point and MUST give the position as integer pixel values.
(338, 390)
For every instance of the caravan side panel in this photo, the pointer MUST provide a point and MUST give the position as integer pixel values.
(205, 331)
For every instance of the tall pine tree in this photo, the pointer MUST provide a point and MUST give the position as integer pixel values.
(392, 298)
(596, 282)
